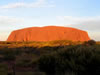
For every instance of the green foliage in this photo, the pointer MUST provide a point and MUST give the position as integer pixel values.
(80, 60)
(47, 64)
(3, 69)
(9, 56)
(54, 57)
(23, 61)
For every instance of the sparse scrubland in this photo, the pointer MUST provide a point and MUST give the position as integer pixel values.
(50, 58)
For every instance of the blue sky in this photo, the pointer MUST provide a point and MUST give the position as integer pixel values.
(81, 14)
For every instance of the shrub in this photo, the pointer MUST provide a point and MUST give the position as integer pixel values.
(78, 60)
(47, 64)
(9, 56)
(90, 42)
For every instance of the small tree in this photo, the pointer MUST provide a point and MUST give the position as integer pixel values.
(90, 42)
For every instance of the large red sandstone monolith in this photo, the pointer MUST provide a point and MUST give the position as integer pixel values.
(48, 33)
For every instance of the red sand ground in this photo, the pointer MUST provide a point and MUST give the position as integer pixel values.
(48, 33)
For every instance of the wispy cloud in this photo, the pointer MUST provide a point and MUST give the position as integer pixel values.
(37, 4)
(90, 24)
(7, 24)
(7, 20)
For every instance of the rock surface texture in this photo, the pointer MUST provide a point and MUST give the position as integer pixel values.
(48, 33)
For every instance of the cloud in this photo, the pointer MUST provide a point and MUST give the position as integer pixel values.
(7, 20)
(90, 24)
(8, 24)
(39, 3)
(4, 36)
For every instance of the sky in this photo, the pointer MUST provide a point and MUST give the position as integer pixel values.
(81, 14)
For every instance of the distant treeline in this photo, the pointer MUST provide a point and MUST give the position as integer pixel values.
(42, 44)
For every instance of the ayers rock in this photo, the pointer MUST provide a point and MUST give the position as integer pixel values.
(48, 33)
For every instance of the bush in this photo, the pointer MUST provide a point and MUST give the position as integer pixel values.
(9, 56)
(47, 64)
(77, 60)
(90, 42)
(3, 69)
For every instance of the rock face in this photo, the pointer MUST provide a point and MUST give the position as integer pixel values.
(48, 33)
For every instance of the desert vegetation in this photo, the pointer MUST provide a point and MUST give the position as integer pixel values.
(50, 58)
